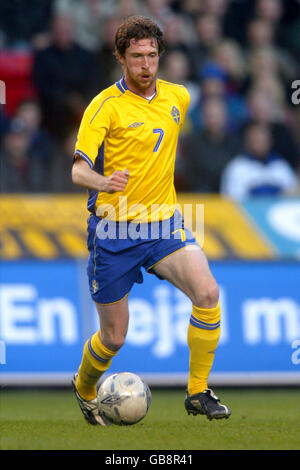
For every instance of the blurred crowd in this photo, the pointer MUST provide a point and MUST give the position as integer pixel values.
(237, 58)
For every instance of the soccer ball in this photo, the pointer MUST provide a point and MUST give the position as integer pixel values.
(124, 398)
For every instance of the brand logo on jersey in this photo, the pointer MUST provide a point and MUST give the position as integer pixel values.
(175, 114)
(136, 124)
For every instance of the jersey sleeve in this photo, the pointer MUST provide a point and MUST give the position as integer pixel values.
(185, 102)
(94, 127)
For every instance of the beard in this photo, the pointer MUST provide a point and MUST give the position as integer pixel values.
(143, 81)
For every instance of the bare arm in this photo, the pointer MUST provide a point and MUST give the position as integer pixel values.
(84, 176)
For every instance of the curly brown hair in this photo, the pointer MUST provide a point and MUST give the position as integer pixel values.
(137, 27)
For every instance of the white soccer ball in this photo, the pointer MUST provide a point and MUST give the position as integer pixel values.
(124, 398)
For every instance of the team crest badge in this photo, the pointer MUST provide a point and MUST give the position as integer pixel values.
(95, 286)
(175, 114)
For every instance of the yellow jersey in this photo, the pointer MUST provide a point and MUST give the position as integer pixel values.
(123, 130)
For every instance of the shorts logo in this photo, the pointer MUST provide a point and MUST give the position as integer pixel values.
(182, 234)
(95, 286)
(136, 124)
(175, 114)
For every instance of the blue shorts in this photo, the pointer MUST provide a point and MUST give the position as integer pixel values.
(116, 259)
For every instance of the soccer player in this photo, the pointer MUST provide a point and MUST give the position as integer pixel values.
(125, 157)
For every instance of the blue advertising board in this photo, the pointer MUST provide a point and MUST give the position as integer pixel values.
(46, 315)
(40, 321)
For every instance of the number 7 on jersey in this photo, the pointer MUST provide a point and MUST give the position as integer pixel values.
(160, 138)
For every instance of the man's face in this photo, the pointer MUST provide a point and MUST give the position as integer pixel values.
(258, 141)
(140, 63)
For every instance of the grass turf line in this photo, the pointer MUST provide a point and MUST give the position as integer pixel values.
(48, 419)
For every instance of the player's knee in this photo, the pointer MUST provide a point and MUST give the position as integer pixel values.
(118, 343)
(208, 296)
(114, 342)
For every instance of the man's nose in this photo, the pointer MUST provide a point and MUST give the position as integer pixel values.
(146, 63)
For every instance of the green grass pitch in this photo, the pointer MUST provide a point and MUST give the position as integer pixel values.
(51, 419)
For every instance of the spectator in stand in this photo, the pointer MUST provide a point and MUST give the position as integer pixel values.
(175, 68)
(126, 8)
(89, 18)
(66, 78)
(42, 144)
(209, 34)
(191, 8)
(260, 33)
(188, 11)
(215, 7)
(286, 33)
(174, 34)
(265, 74)
(269, 10)
(262, 62)
(20, 171)
(214, 83)
(263, 111)
(108, 63)
(158, 10)
(258, 171)
(229, 56)
(261, 36)
(271, 86)
(206, 152)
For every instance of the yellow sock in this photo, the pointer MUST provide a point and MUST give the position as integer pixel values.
(203, 336)
(96, 359)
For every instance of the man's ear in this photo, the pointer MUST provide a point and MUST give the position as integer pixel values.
(120, 58)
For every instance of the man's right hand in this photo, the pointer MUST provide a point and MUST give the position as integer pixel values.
(88, 178)
(117, 181)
